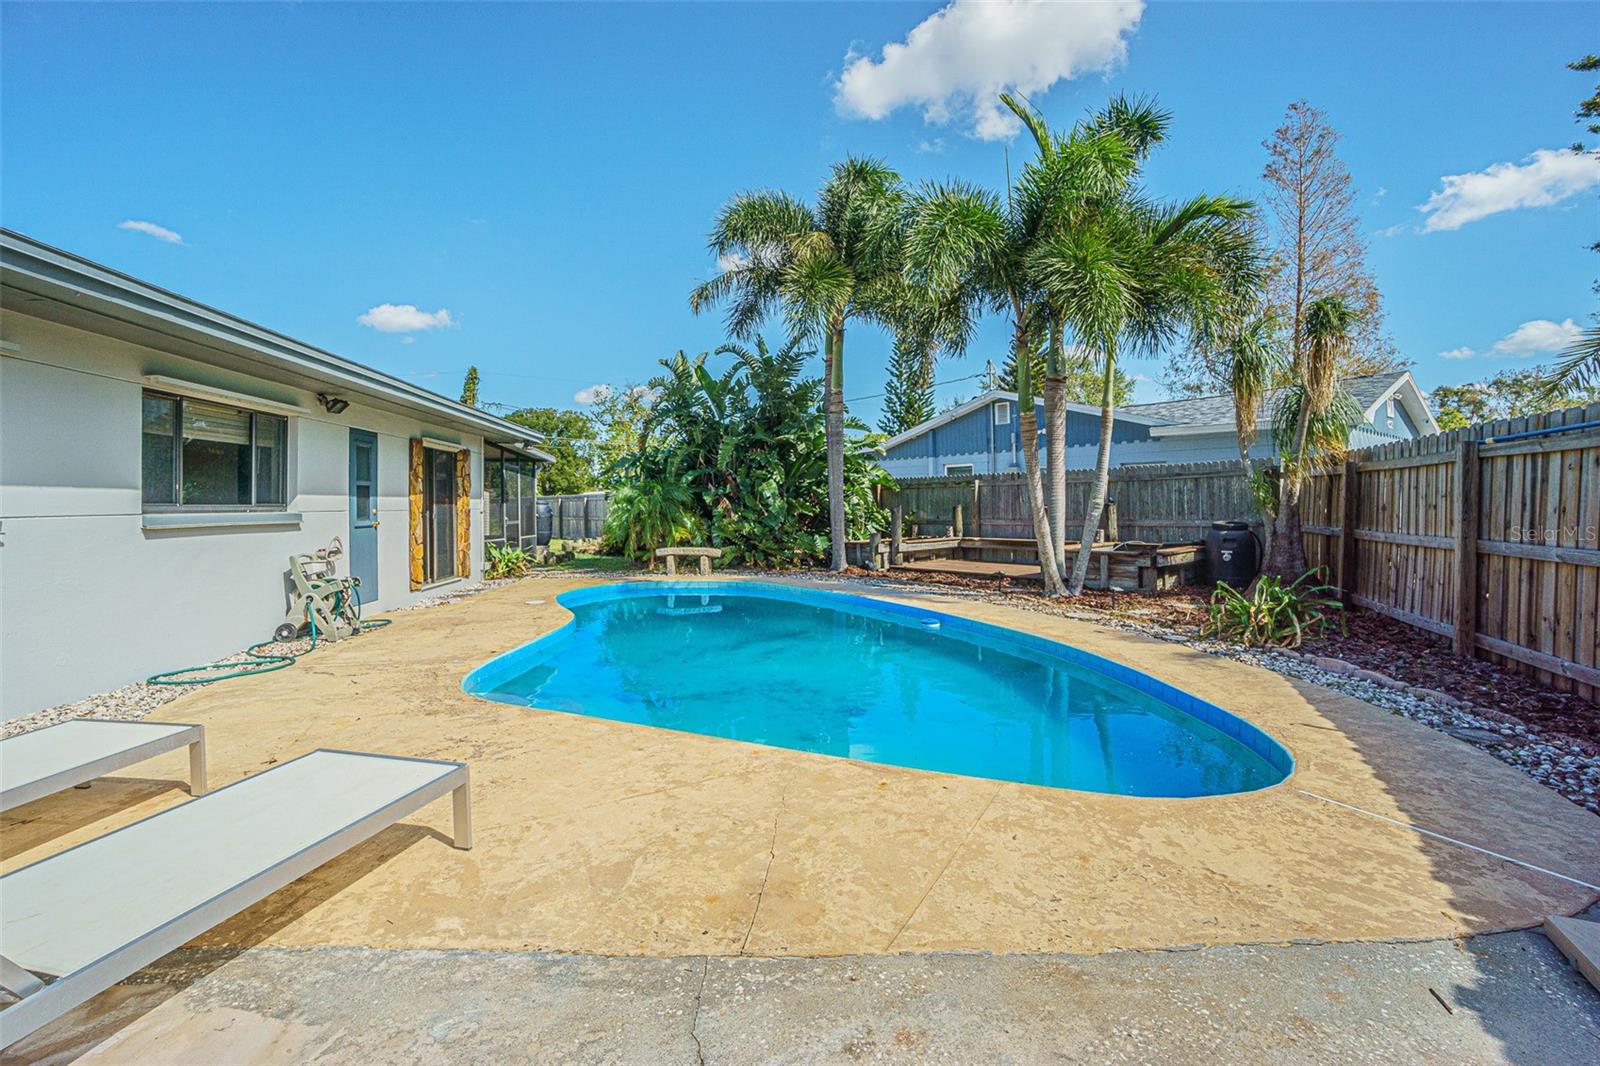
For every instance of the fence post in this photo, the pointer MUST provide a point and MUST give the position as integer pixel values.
(897, 518)
(1349, 513)
(1466, 490)
(1110, 520)
(977, 513)
(956, 525)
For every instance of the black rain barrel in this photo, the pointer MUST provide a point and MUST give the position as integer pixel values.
(543, 513)
(1232, 553)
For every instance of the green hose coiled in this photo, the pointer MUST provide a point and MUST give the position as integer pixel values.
(260, 662)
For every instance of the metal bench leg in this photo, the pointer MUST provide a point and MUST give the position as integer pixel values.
(20, 982)
(462, 801)
(197, 767)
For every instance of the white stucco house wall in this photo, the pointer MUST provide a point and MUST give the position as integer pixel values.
(160, 461)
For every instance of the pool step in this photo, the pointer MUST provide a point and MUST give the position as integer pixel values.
(1579, 940)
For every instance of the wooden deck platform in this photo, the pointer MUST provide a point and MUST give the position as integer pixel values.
(972, 568)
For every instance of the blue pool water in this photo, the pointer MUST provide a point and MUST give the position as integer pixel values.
(849, 676)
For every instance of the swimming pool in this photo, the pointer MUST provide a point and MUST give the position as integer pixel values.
(850, 676)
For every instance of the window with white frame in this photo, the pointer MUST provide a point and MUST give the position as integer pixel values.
(1002, 413)
(197, 454)
(958, 470)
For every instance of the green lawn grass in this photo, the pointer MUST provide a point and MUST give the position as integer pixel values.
(601, 563)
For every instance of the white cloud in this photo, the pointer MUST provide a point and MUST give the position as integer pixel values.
(600, 393)
(1546, 177)
(1540, 335)
(408, 340)
(404, 318)
(731, 261)
(160, 233)
(931, 145)
(1392, 231)
(954, 62)
(1462, 352)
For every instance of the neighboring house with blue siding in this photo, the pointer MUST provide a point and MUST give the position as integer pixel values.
(981, 436)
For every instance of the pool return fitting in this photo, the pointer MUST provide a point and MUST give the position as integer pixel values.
(329, 607)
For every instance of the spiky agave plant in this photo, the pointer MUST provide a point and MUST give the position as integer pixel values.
(1274, 613)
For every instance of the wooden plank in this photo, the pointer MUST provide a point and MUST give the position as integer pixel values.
(1409, 540)
(1430, 624)
(1398, 462)
(1549, 664)
(1349, 520)
(1540, 552)
(1566, 441)
(1464, 488)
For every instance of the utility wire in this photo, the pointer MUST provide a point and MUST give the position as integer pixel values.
(935, 385)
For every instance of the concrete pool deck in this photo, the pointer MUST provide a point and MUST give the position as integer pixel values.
(602, 838)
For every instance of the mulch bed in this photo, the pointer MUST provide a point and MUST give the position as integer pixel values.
(1377, 642)
(1373, 642)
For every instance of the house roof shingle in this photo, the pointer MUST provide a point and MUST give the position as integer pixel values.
(1366, 390)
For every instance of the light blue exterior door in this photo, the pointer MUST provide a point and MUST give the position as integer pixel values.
(364, 512)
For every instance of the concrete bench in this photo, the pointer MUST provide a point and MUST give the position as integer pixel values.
(672, 555)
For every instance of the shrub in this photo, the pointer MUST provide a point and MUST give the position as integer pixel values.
(1274, 614)
(648, 514)
(739, 461)
(503, 562)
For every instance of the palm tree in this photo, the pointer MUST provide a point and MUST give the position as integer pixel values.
(1309, 414)
(1132, 276)
(1140, 125)
(973, 252)
(822, 266)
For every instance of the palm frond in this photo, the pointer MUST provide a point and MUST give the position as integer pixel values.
(1580, 363)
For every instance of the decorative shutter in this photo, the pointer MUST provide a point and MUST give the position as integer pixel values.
(418, 573)
(464, 513)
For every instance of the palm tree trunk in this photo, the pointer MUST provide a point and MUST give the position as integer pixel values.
(1055, 445)
(1028, 427)
(1102, 475)
(1286, 552)
(834, 427)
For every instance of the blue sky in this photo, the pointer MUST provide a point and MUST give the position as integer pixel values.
(535, 181)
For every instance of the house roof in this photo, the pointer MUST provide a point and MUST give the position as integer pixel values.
(1127, 414)
(1215, 413)
(49, 283)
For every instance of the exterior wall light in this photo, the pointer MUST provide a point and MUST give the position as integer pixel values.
(332, 404)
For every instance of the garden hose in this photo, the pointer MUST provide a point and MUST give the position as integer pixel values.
(259, 662)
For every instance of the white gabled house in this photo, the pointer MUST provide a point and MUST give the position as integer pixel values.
(161, 460)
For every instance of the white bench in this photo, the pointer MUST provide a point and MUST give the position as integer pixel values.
(76, 923)
(672, 555)
(36, 764)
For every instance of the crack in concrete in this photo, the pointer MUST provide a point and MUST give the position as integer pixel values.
(772, 853)
(936, 877)
(694, 1025)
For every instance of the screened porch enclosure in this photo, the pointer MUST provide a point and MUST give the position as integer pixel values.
(510, 492)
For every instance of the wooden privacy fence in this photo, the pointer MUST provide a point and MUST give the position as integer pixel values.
(1488, 535)
(581, 516)
(1169, 504)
